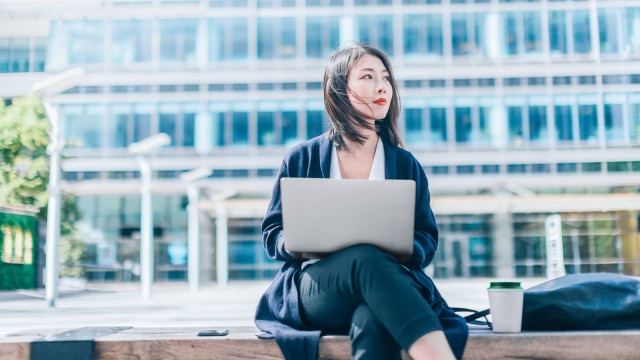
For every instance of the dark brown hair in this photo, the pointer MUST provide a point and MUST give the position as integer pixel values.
(345, 119)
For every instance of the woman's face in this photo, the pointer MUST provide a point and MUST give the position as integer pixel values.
(369, 85)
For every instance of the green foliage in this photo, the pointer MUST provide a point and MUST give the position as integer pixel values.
(24, 172)
(24, 164)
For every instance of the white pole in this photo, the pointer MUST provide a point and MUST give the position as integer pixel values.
(193, 238)
(146, 229)
(222, 242)
(53, 207)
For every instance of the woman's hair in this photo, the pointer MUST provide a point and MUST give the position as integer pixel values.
(345, 119)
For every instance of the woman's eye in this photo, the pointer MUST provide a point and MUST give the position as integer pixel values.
(368, 76)
(388, 78)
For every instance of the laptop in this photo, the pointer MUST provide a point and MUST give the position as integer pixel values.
(322, 216)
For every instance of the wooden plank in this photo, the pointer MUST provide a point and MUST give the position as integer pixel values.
(578, 345)
(16, 347)
(242, 343)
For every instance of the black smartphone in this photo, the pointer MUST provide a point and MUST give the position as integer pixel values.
(213, 332)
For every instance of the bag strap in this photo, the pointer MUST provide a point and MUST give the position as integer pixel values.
(475, 315)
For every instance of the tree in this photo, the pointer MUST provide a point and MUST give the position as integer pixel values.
(24, 172)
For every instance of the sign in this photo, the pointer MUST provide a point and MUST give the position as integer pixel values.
(555, 254)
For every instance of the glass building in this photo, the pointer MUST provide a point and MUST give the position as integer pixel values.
(516, 109)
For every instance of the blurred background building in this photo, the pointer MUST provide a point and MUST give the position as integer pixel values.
(516, 109)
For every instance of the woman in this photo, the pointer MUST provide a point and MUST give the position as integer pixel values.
(383, 305)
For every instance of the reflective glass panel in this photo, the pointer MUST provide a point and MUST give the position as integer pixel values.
(413, 126)
(266, 128)
(437, 125)
(588, 123)
(608, 29)
(563, 122)
(613, 122)
(558, 32)
(239, 128)
(463, 124)
(538, 132)
(581, 31)
(178, 40)
(130, 41)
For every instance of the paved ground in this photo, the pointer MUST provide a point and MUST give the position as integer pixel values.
(172, 305)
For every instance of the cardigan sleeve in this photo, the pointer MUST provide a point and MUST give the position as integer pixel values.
(425, 235)
(272, 234)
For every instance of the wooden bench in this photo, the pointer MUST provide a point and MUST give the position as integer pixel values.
(242, 343)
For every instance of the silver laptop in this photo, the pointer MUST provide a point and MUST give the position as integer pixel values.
(322, 216)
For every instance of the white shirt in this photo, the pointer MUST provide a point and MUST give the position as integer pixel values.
(377, 173)
(377, 168)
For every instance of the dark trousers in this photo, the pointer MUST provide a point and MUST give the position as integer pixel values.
(364, 292)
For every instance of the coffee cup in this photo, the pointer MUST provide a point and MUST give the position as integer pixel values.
(505, 302)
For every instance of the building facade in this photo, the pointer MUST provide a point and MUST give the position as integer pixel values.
(516, 109)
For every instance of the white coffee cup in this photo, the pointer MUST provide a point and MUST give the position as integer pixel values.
(505, 302)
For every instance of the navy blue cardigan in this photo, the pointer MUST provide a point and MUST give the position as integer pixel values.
(278, 314)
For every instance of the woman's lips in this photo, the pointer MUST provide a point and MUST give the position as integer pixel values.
(381, 101)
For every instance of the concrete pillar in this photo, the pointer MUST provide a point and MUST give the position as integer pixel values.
(206, 248)
(503, 245)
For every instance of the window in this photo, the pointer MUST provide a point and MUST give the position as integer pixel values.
(289, 127)
(82, 125)
(422, 35)
(228, 38)
(558, 32)
(567, 167)
(516, 131)
(266, 128)
(538, 132)
(588, 123)
(634, 104)
(464, 124)
(277, 38)
(490, 169)
(581, 31)
(239, 128)
(266, 86)
(586, 80)
(178, 41)
(377, 31)
(486, 82)
(323, 36)
(592, 167)
(312, 3)
(218, 128)
(522, 33)
(84, 41)
(540, 168)
(131, 41)
(608, 21)
(512, 81)
(563, 122)
(562, 80)
(120, 128)
(437, 125)
(178, 121)
(15, 54)
(613, 122)
(315, 123)
(461, 25)
(413, 126)
(371, 2)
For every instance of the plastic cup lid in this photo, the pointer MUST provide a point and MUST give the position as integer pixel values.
(505, 285)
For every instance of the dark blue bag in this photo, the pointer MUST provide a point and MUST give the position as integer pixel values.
(595, 301)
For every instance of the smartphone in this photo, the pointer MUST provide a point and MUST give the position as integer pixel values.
(213, 332)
